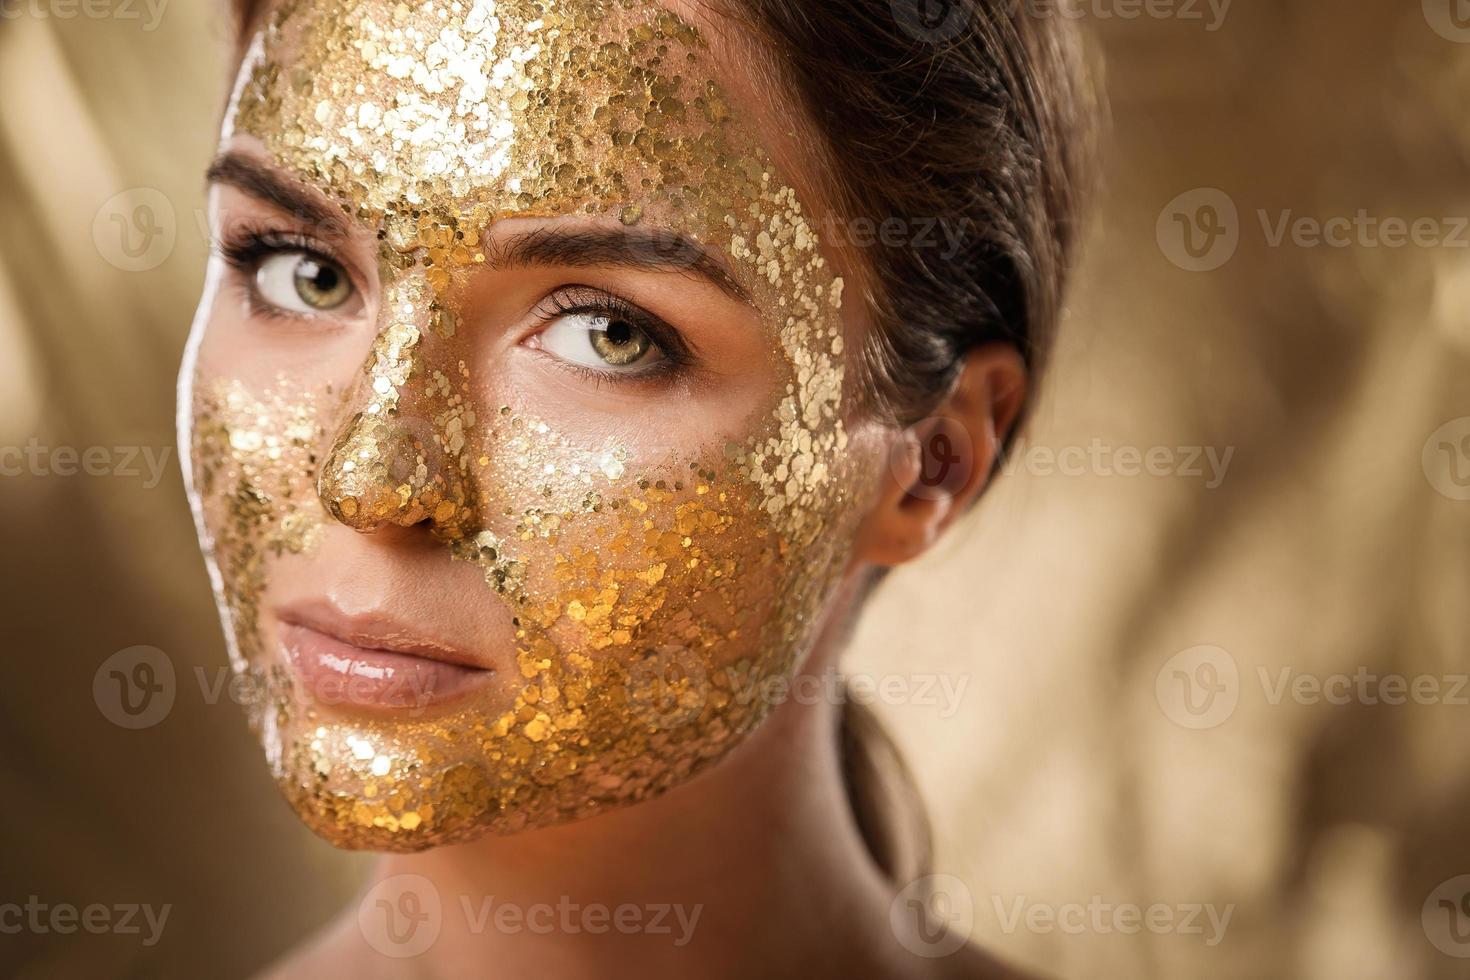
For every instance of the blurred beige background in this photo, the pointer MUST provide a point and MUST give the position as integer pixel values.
(1127, 734)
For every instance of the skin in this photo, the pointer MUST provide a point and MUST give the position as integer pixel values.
(763, 840)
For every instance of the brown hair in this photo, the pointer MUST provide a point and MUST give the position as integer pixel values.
(980, 119)
(979, 122)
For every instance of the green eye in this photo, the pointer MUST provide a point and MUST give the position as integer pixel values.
(601, 342)
(302, 283)
(617, 342)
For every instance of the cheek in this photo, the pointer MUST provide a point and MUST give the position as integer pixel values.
(609, 554)
(254, 446)
(620, 515)
(234, 342)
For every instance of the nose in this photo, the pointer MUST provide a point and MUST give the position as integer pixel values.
(388, 470)
(388, 466)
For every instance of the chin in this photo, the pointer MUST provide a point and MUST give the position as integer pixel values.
(407, 782)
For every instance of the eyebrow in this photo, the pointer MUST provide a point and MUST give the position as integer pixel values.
(653, 249)
(265, 184)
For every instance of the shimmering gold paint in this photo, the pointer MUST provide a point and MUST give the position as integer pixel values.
(652, 591)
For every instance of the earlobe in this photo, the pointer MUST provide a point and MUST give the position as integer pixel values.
(937, 468)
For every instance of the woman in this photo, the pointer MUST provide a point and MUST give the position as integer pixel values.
(556, 395)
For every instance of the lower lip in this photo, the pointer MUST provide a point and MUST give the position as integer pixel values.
(339, 674)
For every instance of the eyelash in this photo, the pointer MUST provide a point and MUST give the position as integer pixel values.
(245, 248)
(589, 300)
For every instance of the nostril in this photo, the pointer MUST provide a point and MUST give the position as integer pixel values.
(388, 470)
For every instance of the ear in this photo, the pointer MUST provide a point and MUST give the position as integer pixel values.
(938, 467)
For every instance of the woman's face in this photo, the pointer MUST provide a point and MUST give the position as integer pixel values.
(521, 441)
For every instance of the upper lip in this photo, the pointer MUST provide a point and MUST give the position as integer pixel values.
(373, 631)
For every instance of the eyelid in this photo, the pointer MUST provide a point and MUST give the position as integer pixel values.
(579, 298)
(244, 214)
(254, 241)
(247, 244)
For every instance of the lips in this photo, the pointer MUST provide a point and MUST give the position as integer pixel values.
(372, 662)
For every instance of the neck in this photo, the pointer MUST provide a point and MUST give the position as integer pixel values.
(755, 868)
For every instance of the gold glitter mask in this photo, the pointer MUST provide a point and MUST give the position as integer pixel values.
(650, 595)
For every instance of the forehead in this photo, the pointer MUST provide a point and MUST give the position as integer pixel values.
(482, 109)
(433, 121)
